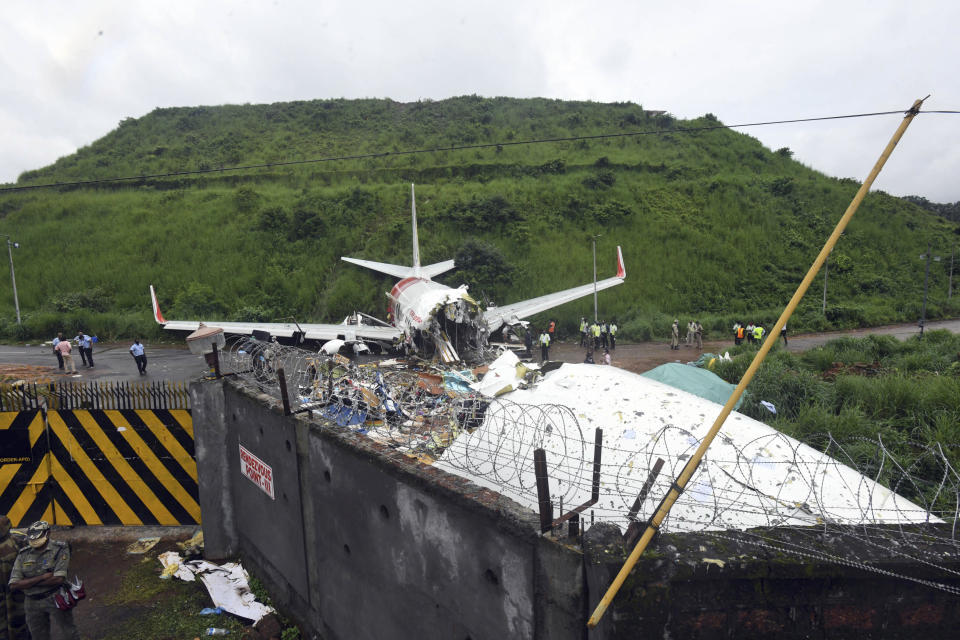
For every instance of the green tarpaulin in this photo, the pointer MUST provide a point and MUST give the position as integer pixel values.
(695, 380)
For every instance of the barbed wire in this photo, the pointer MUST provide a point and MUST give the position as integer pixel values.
(858, 490)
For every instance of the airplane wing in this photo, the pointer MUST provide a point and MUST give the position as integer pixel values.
(282, 329)
(497, 316)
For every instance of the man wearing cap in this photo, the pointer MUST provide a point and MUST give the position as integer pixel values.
(39, 571)
(13, 622)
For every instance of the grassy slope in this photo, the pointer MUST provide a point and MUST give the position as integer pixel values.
(712, 223)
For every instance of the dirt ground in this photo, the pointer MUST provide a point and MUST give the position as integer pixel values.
(100, 558)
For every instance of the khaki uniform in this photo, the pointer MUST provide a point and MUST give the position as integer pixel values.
(13, 620)
(40, 608)
(675, 336)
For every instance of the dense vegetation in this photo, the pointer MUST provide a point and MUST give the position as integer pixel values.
(906, 393)
(712, 224)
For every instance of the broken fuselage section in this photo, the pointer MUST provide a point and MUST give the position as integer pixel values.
(439, 321)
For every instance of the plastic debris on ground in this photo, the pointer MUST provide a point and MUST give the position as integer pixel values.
(143, 545)
(227, 584)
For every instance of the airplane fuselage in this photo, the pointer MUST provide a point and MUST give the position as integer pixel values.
(414, 301)
(434, 316)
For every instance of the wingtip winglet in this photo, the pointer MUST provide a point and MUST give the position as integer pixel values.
(157, 315)
(621, 270)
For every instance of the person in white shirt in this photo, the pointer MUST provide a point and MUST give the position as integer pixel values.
(136, 350)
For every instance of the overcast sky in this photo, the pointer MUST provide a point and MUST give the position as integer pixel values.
(72, 71)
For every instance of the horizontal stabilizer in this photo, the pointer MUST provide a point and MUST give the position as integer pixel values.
(400, 271)
(395, 270)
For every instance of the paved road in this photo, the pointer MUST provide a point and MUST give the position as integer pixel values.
(174, 362)
(111, 362)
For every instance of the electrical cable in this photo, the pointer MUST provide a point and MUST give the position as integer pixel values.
(486, 145)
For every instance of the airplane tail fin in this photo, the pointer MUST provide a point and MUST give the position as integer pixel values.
(621, 270)
(416, 240)
(400, 271)
(157, 315)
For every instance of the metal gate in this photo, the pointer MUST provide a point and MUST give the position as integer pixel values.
(74, 466)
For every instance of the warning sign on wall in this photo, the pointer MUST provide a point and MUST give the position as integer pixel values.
(259, 472)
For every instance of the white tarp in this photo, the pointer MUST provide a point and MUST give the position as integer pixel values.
(751, 476)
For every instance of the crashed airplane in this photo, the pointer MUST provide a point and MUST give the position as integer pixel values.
(426, 317)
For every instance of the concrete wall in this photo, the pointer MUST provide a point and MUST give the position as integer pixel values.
(362, 542)
(699, 586)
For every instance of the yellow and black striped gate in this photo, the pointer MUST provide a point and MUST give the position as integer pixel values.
(133, 466)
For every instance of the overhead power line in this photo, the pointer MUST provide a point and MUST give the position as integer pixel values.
(486, 145)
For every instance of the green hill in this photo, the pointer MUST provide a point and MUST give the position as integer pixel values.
(712, 224)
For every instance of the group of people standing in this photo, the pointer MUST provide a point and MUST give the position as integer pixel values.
(592, 336)
(600, 333)
(64, 351)
(753, 333)
(694, 334)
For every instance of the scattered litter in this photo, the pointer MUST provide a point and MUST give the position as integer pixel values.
(769, 407)
(193, 548)
(715, 561)
(211, 612)
(143, 545)
(171, 562)
(227, 584)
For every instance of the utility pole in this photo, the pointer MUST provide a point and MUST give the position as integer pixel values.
(926, 283)
(595, 314)
(950, 285)
(13, 278)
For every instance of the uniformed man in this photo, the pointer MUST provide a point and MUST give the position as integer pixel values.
(698, 334)
(85, 343)
(675, 335)
(613, 335)
(13, 621)
(595, 331)
(39, 571)
(544, 345)
(583, 331)
(689, 337)
(758, 332)
(605, 334)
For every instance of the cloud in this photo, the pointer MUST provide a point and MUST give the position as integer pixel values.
(74, 72)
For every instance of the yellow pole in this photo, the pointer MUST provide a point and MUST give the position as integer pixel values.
(772, 337)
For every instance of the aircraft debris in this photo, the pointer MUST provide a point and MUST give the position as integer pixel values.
(485, 423)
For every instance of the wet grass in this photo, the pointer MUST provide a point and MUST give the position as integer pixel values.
(161, 609)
